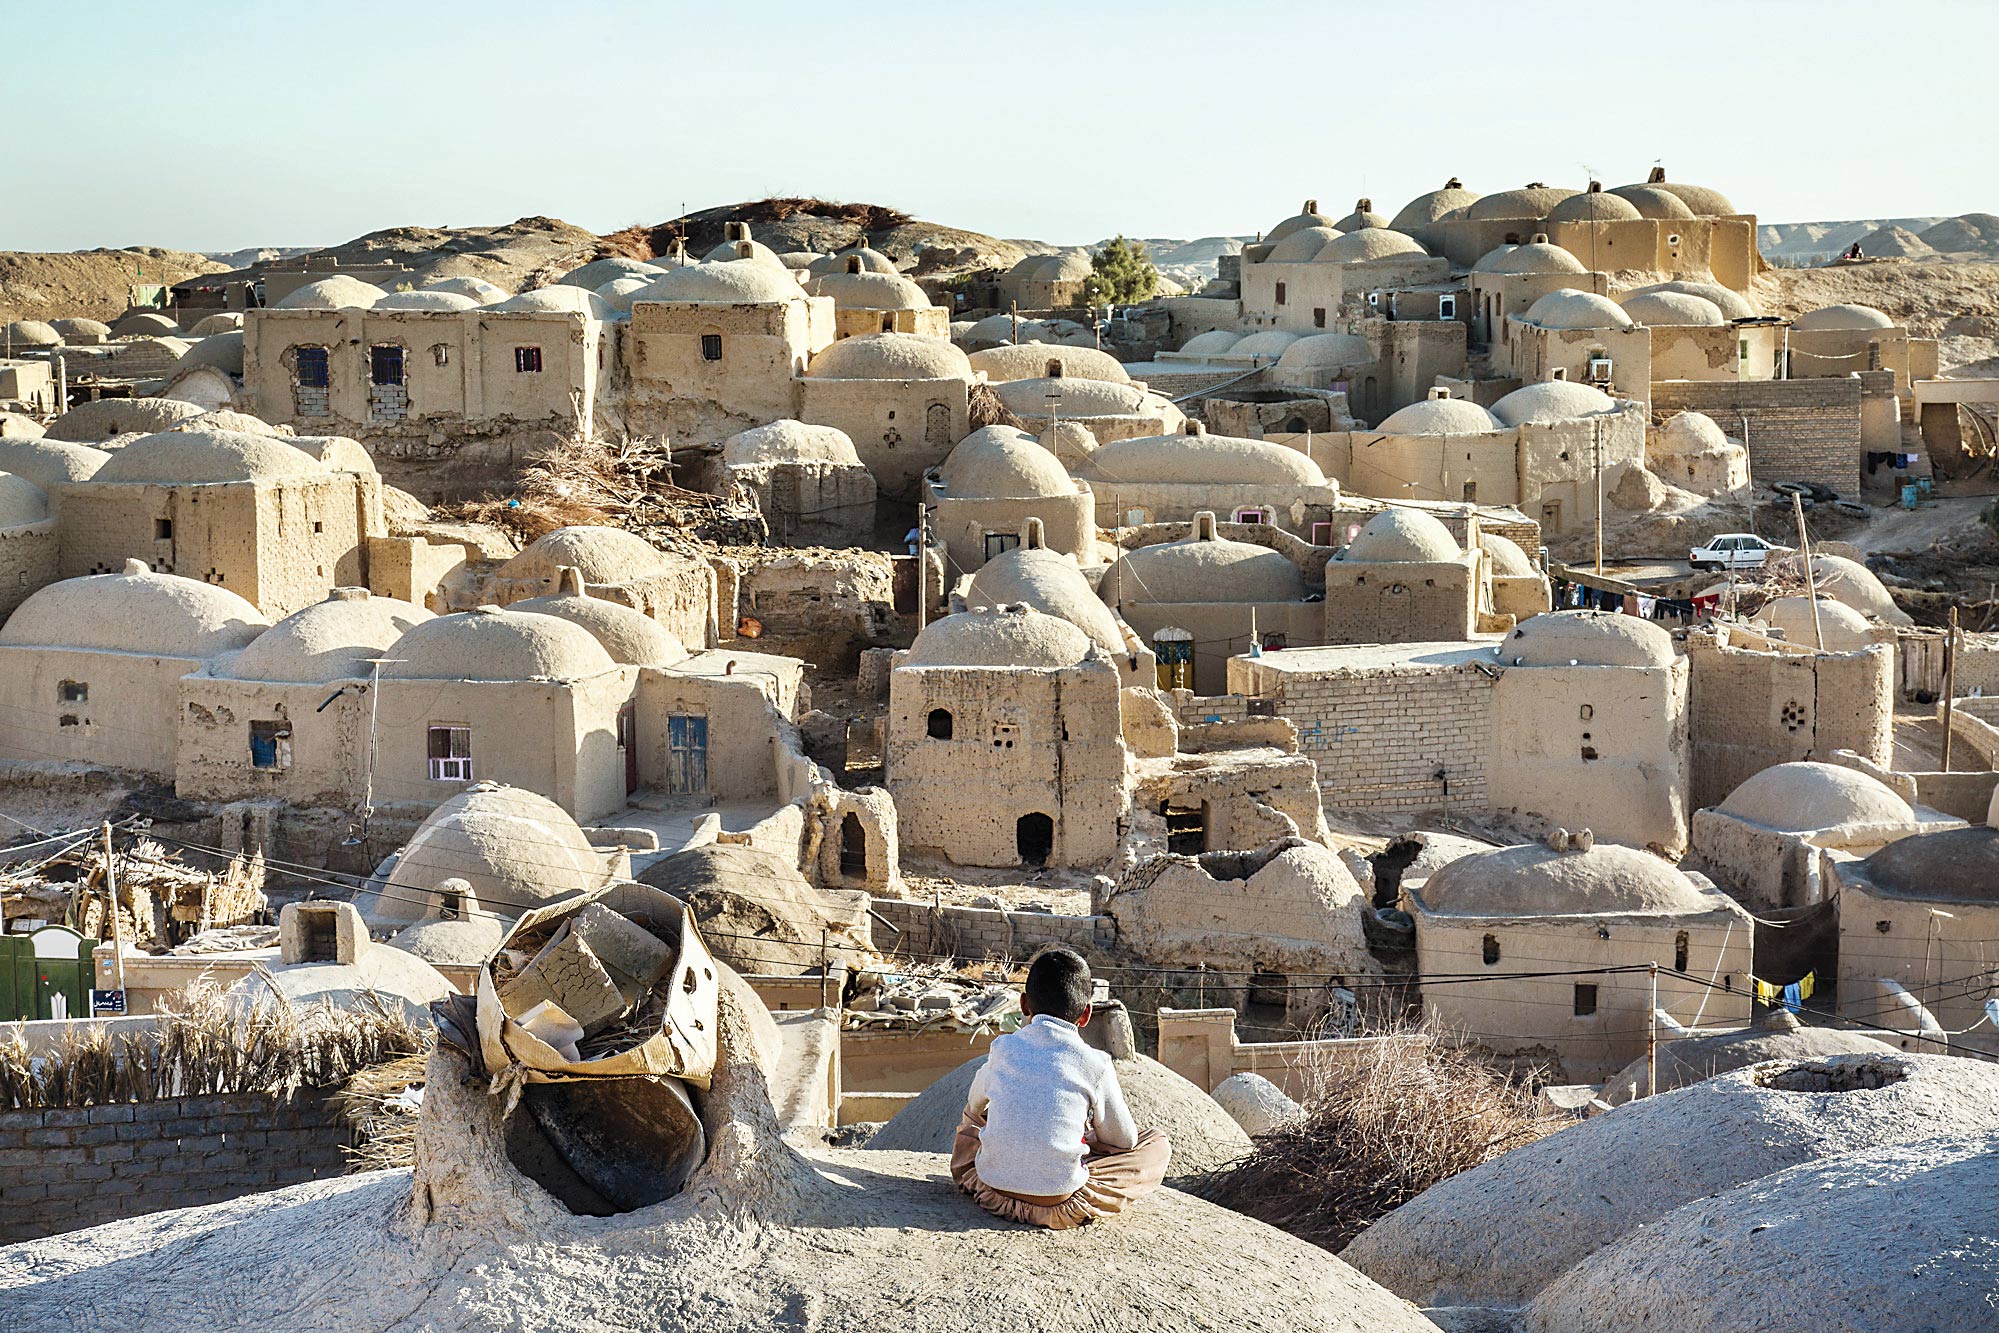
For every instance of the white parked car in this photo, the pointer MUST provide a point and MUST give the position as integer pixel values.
(1736, 550)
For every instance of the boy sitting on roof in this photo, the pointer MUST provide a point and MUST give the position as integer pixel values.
(1046, 1138)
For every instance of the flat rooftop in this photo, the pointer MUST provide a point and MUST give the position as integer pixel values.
(1379, 656)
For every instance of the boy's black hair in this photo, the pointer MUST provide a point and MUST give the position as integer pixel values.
(1058, 984)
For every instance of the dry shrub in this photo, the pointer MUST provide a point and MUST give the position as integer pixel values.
(1375, 1134)
(585, 483)
(987, 409)
(383, 1119)
(204, 1042)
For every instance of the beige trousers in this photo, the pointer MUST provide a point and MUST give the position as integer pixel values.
(1116, 1179)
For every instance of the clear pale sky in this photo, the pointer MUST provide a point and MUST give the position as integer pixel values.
(212, 125)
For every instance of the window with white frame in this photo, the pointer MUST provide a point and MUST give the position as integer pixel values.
(450, 753)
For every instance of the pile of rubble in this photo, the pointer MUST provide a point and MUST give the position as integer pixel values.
(161, 900)
(932, 998)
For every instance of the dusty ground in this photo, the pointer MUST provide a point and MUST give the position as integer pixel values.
(86, 284)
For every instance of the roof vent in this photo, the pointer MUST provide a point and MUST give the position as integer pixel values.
(746, 249)
(1454, 184)
(1540, 238)
(569, 581)
(1596, 187)
(136, 567)
(1032, 536)
(348, 595)
(1204, 526)
(1658, 176)
(1438, 392)
(488, 609)
(1363, 205)
(1194, 428)
(853, 263)
(1311, 206)
(735, 231)
(678, 250)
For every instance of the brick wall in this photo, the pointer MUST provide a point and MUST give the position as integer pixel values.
(64, 1168)
(979, 932)
(1799, 430)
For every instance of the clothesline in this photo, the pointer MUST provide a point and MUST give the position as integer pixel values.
(1569, 596)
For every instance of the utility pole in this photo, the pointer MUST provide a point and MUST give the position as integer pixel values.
(111, 893)
(1596, 446)
(1811, 582)
(922, 564)
(1652, 1038)
(1949, 685)
(1748, 475)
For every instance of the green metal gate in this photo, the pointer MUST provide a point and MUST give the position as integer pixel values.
(41, 965)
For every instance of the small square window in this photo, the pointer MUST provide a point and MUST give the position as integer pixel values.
(1585, 1000)
(318, 526)
(711, 347)
(163, 529)
(75, 692)
(1280, 293)
(527, 360)
(1447, 307)
(270, 745)
(1318, 317)
(314, 372)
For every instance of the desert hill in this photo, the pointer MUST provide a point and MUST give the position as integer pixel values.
(87, 284)
(819, 225)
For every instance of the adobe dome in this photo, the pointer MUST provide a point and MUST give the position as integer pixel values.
(727, 283)
(338, 292)
(207, 457)
(335, 451)
(1505, 557)
(1692, 433)
(1688, 1060)
(21, 501)
(1532, 202)
(98, 329)
(1587, 638)
(515, 848)
(426, 301)
(136, 611)
(329, 640)
(1308, 216)
(222, 351)
(107, 418)
(1435, 206)
(1849, 581)
(631, 638)
(1002, 463)
(999, 330)
(619, 293)
(869, 291)
(1269, 343)
(1702, 201)
(1832, 318)
(15, 426)
(1841, 629)
(1956, 865)
(871, 260)
(890, 356)
(602, 555)
(731, 252)
(1049, 582)
(1362, 217)
(497, 644)
(1439, 416)
(1897, 1235)
(1655, 203)
(1014, 637)
(1031, 361)
(1567, 308)
(1300, 246)
(1673, 309)
(1368, 245)
(1550, 401)
(1069, 266)
(1535, 880)
(1211, 343)
(788, 441)
(1213, 459)
(1321, 353)
(24, 334)
(1202, 570)
(556, 300)
(1733, 305)
(1534, 257)
(597, 272)
(145, 324)
(227, 321)
(1397, 535)
(1028, 399)
(47, 463)
(1489, 261)
(1800, 797)
(480, 290)
(1594, 206)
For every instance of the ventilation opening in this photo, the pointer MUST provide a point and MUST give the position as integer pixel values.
(75, 692)
(1389, 863)
(163, 529)
(319, 935)
(1272, 989)
(1585, 999)
(607, 1146)
(1862, 1075)
(1490, 950)
(853, 847)
(939, 724)
(1034, 839)
(1680, 952)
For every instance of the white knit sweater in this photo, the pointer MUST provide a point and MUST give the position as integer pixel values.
(1046, 1097)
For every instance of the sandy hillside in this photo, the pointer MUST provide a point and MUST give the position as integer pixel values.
(823, 226)
(86, 284)
(1958, 303)
(513, 255)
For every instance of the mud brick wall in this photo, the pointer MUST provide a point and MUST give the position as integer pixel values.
(1799, 430)
(63, 1168)
(980, 932)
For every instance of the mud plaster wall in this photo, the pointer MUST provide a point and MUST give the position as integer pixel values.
(126, 720)
(1559, 463)
(1699, 352)
(323, 762)
(1536, 353)
(1222, 629)
(744, 733)
(1022, 742)
(812, 504)
(676, 390)
(1178, 502)
(1423, 467)
(30, 558)
(1804, 430)
(1751, 710)
(900, 428)
(1919, 949)
(1401, 602)
(1068, 525)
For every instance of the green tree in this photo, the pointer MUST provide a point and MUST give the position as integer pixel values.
(1123, 274)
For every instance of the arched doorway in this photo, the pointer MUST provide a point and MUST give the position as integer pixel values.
(853, 847)
(1034, 839)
